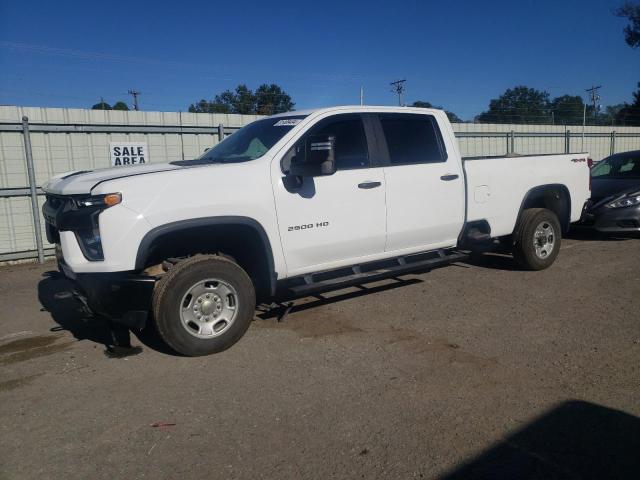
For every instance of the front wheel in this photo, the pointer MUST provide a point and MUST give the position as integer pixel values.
(537, 239)
(203, 305)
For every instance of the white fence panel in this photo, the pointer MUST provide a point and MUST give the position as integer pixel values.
(82, 139)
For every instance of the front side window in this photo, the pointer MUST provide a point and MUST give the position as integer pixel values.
(412, 139)
(618, 166)
(251, 141)
(350, 141)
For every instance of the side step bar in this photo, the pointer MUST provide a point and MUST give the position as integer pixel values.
(369, 272)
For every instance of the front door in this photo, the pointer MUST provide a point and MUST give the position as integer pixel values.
(337, 219)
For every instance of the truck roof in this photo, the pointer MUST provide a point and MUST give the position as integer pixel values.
(357, 108)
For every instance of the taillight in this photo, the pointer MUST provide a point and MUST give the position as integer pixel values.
(589, 164)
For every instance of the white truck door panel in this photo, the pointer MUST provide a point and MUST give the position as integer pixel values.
(333, 219)
(425, 186)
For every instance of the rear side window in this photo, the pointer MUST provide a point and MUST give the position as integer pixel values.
(412, 138)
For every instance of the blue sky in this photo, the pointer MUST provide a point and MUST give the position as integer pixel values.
(458, 54)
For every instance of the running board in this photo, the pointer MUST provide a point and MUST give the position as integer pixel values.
(369, 272)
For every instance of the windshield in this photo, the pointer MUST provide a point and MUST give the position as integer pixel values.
(251, 141)
(618, 166)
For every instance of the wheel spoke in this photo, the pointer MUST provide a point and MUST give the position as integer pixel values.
(206, 328)
(188, 315)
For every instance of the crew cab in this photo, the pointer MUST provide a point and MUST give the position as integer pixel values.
(293, 204)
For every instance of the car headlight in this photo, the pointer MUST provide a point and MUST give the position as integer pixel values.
(101, 201)
(628, 200)
(88, 234)
(90, 241)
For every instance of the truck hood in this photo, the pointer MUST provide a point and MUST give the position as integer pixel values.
(82, 181)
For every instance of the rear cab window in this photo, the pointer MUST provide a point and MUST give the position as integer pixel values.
(412, 138)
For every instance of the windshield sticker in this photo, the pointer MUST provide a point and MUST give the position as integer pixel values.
(287, 122)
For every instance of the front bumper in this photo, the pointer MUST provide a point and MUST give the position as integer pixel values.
(124, 297)
(603, 219)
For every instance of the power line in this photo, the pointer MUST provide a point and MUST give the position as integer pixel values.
(134, 94)
(398, 87)
(595, 97)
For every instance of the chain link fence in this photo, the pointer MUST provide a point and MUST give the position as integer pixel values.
(38, 143)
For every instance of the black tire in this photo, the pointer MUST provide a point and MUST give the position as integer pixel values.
(524, 250)
(176, 283)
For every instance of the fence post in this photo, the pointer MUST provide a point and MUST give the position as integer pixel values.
(512, 137)
(612, 145)
(33, 188)
(220, 132)
(567, 141)
(507, 143)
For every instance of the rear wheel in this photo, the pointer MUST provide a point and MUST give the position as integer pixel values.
(537, 239)
(203, 305)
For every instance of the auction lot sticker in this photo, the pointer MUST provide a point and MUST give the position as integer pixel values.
(128, 153)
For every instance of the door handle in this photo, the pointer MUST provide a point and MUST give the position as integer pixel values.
(367, 185)
(448, 177)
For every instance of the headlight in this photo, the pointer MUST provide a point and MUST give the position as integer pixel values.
(90, 242)
(88, 231)
(104, 201)
(626, 201)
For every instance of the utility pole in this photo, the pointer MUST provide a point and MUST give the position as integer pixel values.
(398, 88)
(361, 95)
(595, 98)
(135, 94)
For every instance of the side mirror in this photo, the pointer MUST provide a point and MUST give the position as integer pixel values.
(319, 157)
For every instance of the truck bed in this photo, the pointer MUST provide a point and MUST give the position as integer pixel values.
(497, 185)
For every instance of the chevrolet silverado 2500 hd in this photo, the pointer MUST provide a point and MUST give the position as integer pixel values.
(297, 203)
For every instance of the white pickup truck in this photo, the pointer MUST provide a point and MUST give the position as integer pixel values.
(293, 204)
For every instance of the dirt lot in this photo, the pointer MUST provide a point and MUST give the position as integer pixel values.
(470, 371)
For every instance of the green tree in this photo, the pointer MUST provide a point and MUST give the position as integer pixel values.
(611, 112)
(631, 11)
(272, 99)
(102, 105)
(518, 105)
(630, 113)
(453, 118)
(567, 110)
(266, 100)
(120, 105)
(244, 100)
(220, 104)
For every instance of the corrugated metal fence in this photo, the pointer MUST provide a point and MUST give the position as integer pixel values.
(74, 139)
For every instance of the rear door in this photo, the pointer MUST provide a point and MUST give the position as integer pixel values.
(337, 219)
(425, 185)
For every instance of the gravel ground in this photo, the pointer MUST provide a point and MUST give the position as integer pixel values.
(476, 370)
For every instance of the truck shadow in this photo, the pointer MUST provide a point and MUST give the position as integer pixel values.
(575, 440)
(54, 294)
(492, 260)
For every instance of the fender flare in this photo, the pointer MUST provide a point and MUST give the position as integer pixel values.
(155, 233)
(564, 222)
